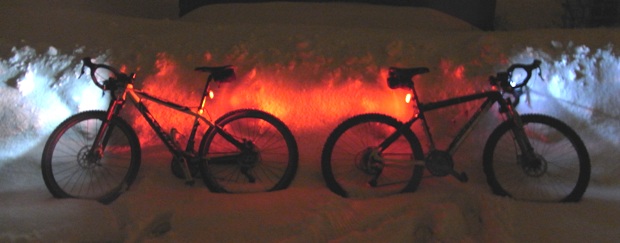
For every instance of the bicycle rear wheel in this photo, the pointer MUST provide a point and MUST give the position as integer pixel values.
(268, 161)
(560, 171)
(350, 169)
(71, 170)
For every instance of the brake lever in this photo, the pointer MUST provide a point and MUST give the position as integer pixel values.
(540, 73)
(85, 62)
(103, 89)
(82, 71)
(527, 96)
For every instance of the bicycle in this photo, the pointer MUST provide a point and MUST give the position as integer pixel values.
(96, 154)
(528, 157)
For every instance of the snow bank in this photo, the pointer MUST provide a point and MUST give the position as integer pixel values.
(40, 91)
(312, 76)
(302, 77)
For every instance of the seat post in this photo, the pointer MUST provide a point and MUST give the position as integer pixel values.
(416, 100)
(205, 94)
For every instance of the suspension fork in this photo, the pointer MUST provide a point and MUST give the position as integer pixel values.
(518, 130)
(104, 132)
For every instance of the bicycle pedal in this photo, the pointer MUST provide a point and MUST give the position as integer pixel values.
(190, 182)
(462, 177)
(373, 183)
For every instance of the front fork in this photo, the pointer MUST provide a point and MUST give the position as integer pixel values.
(105, 131)
(519, 134)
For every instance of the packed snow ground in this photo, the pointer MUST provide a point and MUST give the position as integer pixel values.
(312, 74)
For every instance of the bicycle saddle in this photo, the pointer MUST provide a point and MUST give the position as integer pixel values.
(402, 77)
(220, 73)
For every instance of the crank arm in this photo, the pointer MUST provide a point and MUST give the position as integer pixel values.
(189, 179)
(374, 183)
(462, 177)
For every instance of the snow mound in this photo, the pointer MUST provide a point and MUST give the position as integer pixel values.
(42, 90)
(322, 71)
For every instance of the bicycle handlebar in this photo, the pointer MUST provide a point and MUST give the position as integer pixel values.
(502, 79)
(111, 82)
(527, 67)
(219, 74)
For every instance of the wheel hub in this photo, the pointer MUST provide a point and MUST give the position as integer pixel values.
(535, 166)
(88, 159)
(250, 157)
(366, 162)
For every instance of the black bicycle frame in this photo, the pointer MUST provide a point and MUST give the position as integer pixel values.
(167, 138)
(491, 98)
(136, 96)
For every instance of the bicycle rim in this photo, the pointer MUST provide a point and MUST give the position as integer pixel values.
(69, 170)
(561, 170)
(268, 163)
(348, 165)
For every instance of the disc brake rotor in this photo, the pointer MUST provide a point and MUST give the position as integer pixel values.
(535, 167)
(88, 159)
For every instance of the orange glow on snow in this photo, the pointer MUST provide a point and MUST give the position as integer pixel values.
(316, 104)
(459, 72)
(164, 65)
(452, 71)
(123, 69)
(164, 84)
(310, 107)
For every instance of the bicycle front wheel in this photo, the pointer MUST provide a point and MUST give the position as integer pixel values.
(558, 171)
(267, 161)
(73, 169)
(352, 166)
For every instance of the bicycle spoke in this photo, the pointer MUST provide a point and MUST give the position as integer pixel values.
(267, 163)
(350, 168)
(557, 171)
(69, 168)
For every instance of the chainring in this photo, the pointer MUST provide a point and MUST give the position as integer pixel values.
(439, 163)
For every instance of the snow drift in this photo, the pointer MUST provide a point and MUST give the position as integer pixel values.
(312, 75)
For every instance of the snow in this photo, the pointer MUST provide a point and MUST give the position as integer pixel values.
(312, 72)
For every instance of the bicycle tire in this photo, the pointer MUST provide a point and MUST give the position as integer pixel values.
(271, 165)
(341, 163)
(562, 177)
(68, 173)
